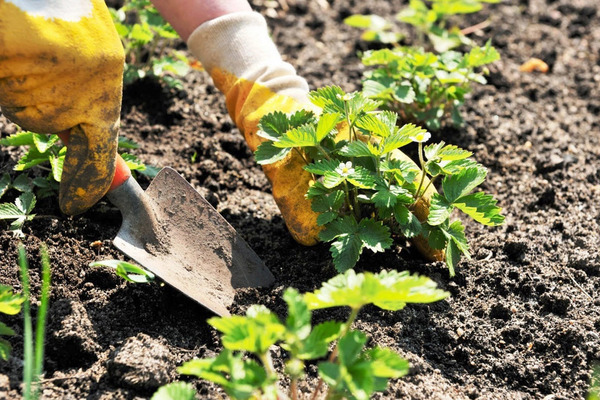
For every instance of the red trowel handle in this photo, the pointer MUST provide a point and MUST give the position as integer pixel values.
(122, 171)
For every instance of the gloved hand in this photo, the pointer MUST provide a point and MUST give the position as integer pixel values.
(245, 65)
(61, 67)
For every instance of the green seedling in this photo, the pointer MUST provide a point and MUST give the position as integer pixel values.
(33, 353)
(375, 28)
(149, 43)
(175, 391)
(351, 370)
(423, 87)
(19, 212)
(10, 304)
(364, 191)
(129, 272)
(431, 19)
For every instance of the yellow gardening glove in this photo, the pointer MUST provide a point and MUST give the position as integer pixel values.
(246, 66)
(61, 67)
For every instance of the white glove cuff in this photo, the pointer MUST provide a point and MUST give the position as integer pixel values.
(239, 43)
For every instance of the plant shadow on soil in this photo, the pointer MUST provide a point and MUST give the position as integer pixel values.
(523, 317)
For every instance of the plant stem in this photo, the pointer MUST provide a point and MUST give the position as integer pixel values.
(334, 353)
(425, 189)
(422, 161)
(349, 200)
(294, 388)
(27, 326)
(268, 363)
(41, 318)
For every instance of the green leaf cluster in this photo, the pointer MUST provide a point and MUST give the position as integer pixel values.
(47, 154)
(148, 42)
(431, 18)
(351, 370)
(364, 189)
(130, 272)
(422, 86)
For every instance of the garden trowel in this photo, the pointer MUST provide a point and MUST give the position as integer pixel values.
(172, 231)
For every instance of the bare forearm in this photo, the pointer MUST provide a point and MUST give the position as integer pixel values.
(187, 15)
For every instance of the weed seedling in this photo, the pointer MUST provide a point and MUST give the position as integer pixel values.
(130, 272)
(365, 190)
(33, 353)
(351, 370)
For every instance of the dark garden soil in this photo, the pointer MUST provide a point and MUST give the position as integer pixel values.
(523, 318)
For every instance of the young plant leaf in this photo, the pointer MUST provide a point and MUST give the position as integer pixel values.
(358, 148)
(321, 167)
(389, 290)
(175, 391)
(409, 223)
(10, 302)
(130, 272)
(481, 207)
(302, 136)
(267, 153)
(439, 210)
(462, 183)
(255, 332)
(387, 195)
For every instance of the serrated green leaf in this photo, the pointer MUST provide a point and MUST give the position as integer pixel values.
(299, 316)
(481, 207)
(267, 153)
(439, 210)
(5, 349)
(175, 391)
(452, 257)
(350, 347)
(387, 195)
(358, 148)
(409, 223)
(332, 179)
(456, 233)
(326, 217)
(302, 136)
(326, 125)
(273, 125)
(317, 343)
(346, 250)
(407, 170)
(479, 56)
(4, 183)
(32, 158)
(386, 363)
(390, 290)
(125, 143)
(315, 190)
(329, 98)
(400, 138)
(361, 178)
(141, 33)
(255, 332)
(462, 183)
(437, 239)
(9, 211)
(56, 163)
(5, 330)
(43, 143)
(320, 167)
(382, 124)
(22, 138)
(25, 203)
(374, 235)
(10, 302)
(22, 183)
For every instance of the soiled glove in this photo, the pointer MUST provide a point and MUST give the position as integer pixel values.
(61, 67)
(245, 65)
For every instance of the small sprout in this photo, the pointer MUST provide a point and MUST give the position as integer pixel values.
(129, 272)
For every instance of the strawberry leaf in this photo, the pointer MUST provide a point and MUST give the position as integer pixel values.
(267, 153)
(462, 183)
(481, 207)
(439, 210)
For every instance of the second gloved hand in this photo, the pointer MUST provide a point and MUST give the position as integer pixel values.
(61, 67)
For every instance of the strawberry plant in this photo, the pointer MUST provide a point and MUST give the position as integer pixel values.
(351, 370)
(367, 191)
(423, 87)
(149, 41)
(431, 18)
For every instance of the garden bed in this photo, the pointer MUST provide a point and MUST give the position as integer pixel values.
(523, 317)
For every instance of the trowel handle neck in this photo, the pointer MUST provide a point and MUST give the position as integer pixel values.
(122, 171)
